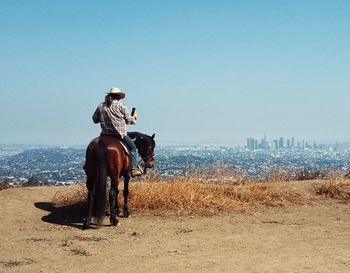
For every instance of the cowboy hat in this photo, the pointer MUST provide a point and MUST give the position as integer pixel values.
(117, 92)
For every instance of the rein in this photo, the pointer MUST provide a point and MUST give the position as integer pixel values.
(149, 160)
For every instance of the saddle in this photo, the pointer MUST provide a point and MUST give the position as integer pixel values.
(121, 141)
(125, 147)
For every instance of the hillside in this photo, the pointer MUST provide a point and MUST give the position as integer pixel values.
(311, 236)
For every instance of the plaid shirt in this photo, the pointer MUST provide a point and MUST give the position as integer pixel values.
(113, 119)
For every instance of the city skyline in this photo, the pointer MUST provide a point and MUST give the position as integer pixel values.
(198, 72)
(283, 142)
(244, 143)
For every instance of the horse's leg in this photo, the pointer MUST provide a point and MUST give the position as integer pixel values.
(87, 220)
(113, 200)
(90, 199)
(125, 194)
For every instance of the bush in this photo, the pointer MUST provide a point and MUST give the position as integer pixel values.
(4, 184)
(335, 189)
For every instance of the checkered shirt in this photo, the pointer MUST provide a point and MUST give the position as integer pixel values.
(113, 119)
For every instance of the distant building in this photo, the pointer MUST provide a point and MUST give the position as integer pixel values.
(288, 143)
(275, 144)
(251, 143)
(264, 145)
(281, 143)
(292, 143)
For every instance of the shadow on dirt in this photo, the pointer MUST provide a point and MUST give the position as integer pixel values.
(72, 215)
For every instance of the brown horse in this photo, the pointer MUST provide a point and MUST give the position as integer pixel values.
(105, 156)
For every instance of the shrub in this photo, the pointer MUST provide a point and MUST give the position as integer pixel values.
(335, 189)
(4, 184)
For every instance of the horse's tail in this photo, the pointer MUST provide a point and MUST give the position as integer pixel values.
(100, 186)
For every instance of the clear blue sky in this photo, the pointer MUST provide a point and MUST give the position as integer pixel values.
(197, 71)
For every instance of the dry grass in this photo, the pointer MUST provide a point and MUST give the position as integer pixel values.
(190, 195)
(335, 189)
(70, 195)
(277, 175)
(4, 185)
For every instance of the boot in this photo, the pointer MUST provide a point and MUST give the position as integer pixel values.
(136, 172)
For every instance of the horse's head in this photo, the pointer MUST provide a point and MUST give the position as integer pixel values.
(145, 145)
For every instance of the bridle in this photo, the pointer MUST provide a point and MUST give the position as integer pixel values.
(147, 159)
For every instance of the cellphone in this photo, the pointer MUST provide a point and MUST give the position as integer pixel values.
(133, 111)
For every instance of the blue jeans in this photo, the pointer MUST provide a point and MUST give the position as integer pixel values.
(133, 151)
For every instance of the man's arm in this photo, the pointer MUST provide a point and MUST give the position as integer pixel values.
(96, 116)
(128, 119)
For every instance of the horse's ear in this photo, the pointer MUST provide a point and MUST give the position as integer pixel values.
(153, 136)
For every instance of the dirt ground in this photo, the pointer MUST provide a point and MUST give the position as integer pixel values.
(36, 237)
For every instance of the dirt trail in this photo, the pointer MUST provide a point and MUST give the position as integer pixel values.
(35, 237)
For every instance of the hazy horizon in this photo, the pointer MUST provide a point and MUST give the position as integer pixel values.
(243, 142)
(198, 72)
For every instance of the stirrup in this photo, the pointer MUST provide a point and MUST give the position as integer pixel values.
(135, 172)
(140, 165)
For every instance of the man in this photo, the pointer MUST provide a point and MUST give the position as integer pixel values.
(113, 117)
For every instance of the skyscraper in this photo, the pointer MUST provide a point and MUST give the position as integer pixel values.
(293, 143)
(251, 143)
(281, 143)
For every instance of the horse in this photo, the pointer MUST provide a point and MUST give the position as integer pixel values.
(106, 156)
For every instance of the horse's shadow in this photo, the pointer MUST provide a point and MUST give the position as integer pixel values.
(72, 215)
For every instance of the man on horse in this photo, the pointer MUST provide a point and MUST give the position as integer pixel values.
(113, 116)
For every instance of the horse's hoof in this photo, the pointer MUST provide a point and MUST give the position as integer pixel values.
(114, 221)
(86, 224)
(126, 214)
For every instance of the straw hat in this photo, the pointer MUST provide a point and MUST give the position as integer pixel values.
(116, 91)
